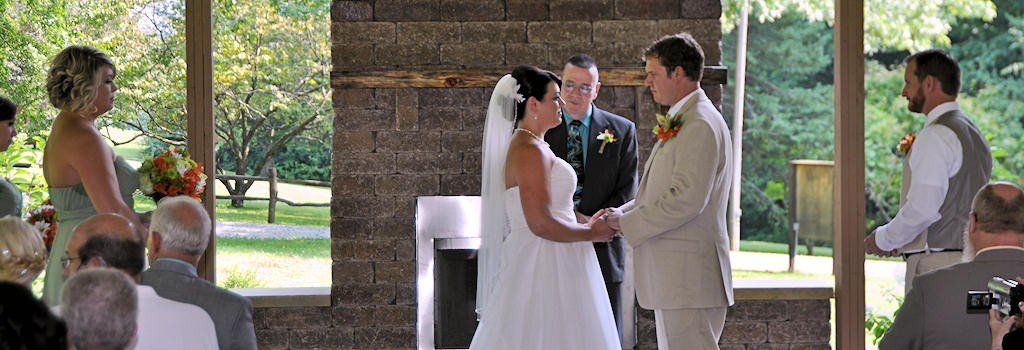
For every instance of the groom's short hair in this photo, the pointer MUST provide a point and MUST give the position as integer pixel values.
(679, 50)
(939, 64)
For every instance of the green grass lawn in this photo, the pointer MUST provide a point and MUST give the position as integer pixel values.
(273, 263)
(783, 248)
(256, 212)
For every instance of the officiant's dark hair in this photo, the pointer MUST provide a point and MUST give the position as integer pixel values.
(533, 82)
(679, 50)
(583, 61)
(7, 109)
(939, 64)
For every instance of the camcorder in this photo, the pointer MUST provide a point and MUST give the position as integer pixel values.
(1002, 295)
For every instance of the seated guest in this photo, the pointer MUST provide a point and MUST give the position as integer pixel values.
(100, 306)
(26, 323)
(25, 254)
(933, 315)
(179, 232)
(111, 240)
(10, 196)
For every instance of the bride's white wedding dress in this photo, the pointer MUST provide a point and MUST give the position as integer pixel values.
(548, 295)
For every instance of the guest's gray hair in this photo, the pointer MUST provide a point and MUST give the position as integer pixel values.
(100, 306)
(183, 223)
(996, 214)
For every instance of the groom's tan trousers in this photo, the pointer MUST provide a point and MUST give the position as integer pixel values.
(689, 328)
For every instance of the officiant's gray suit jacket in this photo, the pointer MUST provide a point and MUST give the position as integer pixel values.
(231, 313)
(934, 313)
(676, 225)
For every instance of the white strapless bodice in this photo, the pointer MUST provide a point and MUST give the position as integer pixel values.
(561, 184)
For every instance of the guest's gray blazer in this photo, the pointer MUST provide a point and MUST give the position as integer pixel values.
(231, 313)
(934, 315)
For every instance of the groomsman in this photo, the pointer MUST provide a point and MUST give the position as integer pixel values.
(944, 166)
(602, 149)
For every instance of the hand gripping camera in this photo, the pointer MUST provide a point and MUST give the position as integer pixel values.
(1002, 295)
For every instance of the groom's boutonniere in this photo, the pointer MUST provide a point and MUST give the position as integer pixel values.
(605, 137)
(906, 142)
(668, 127)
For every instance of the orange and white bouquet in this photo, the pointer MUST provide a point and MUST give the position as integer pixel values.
(44, 219)
(172, 173)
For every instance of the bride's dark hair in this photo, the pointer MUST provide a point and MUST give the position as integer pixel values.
(533, 82)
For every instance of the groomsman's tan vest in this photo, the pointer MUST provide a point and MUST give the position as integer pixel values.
(974, 173)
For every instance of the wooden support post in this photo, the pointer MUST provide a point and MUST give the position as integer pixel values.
(849, 207)
(199, 106)
(272, 205)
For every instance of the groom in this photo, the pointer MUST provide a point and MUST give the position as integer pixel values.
(676, 224)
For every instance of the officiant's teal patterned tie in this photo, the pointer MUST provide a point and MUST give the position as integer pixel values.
(575, 158)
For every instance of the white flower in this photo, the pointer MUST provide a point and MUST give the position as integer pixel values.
(181, 167)
(145, 185)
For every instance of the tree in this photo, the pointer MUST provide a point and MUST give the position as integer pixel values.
(271, 81)
(900, 25)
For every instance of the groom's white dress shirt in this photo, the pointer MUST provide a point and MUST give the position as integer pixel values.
(936, 157)
(679, 105)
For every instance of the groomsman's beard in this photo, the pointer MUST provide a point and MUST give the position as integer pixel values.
(916, 103)
(969, 250)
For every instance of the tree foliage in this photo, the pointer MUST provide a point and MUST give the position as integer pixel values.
(789, 104)
(900, 25)
(271, 72)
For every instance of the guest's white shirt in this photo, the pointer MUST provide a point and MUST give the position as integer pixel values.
(168, 324)
(936, 157)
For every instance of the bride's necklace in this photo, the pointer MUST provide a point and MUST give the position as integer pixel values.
(531, 134)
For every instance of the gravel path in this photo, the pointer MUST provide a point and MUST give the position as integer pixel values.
(251, 230)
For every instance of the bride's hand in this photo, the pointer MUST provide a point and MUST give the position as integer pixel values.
(594, 218)
(600, 231)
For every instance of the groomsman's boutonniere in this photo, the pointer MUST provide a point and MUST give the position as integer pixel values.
(667, 128)
(906, 142)
(605, 137)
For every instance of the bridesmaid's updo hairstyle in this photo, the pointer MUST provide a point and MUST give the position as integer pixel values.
(8, 109)
(74, 76)
(533, 82)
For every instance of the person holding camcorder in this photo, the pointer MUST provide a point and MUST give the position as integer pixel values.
(934, 315)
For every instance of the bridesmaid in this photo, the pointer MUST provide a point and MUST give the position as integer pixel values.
(10, 196)
(84, 175)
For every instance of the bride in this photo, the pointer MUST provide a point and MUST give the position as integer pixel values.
(540, 286)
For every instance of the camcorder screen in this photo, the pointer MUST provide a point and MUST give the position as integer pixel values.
(1002, 295)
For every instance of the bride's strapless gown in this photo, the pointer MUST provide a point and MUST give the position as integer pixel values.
(549, 295)
(73, 206)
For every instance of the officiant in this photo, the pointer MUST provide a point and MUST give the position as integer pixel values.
(602, 148)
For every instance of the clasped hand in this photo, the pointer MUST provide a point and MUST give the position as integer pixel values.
(605, 224)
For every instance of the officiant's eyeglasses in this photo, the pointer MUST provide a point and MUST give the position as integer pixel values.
(570, 86)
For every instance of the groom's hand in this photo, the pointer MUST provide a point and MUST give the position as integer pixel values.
(613, 215)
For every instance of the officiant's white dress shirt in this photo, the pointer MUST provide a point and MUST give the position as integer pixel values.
(168, 324)
(936, 157)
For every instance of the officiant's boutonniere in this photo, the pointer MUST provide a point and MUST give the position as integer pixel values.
(667, 128)
(605, 137)
(906, 142)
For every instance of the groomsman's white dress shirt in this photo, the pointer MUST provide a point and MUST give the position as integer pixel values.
(936, 157)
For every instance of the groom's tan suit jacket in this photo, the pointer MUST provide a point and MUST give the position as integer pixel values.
(677, 225)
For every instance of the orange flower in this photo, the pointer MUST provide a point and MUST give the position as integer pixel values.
(665, 135)
(906, 142)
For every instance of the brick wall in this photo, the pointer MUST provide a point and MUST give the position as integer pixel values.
(392, 145)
